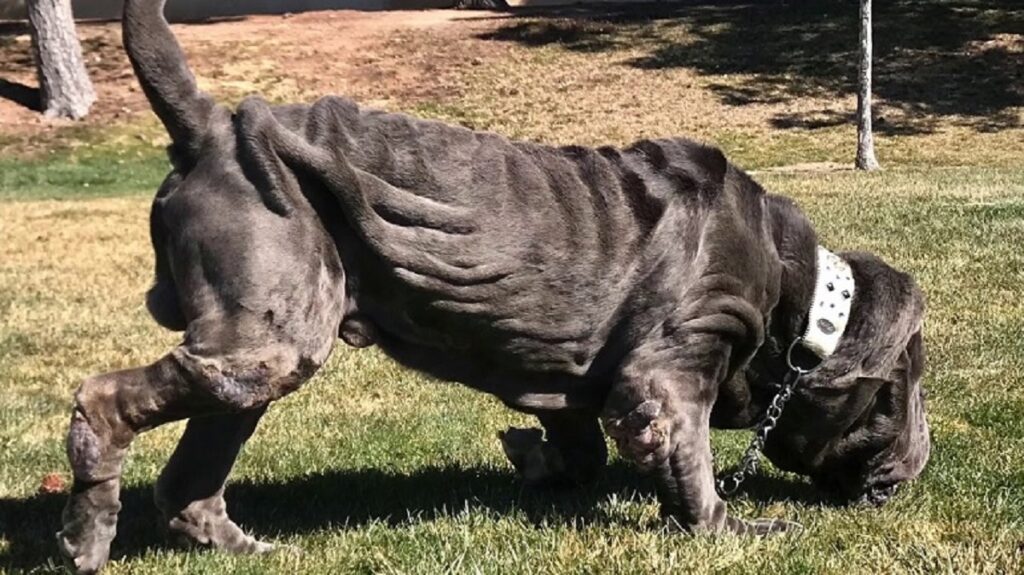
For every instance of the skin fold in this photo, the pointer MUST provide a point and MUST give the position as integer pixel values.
(648, 293)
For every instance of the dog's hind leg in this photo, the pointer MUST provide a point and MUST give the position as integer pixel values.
(570, 451)
(190, 491)
(110, 410)
(190, 382)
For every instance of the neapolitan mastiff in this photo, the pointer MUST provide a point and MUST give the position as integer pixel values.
(657, 288)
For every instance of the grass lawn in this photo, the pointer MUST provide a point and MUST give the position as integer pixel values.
(372, 468)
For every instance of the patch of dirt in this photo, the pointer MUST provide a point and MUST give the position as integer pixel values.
(283, 58)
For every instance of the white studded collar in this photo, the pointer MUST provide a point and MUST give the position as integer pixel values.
(830, 307)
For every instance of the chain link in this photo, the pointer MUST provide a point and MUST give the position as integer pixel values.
(750, 462)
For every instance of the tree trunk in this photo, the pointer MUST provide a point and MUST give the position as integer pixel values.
(865, 138)
(64, 85)
(481, 4)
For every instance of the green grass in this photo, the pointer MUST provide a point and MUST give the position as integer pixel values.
(79, 176)
(372, 468)
(88, 162)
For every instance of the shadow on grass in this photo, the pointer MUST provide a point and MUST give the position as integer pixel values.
(15, 56)
(13, 28)
(960, 61)
(20, 94)
(352, 498)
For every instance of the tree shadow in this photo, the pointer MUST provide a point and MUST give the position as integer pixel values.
(22, 95)
(16, 55)
(959, 61)
(349, 499)
(11, 28)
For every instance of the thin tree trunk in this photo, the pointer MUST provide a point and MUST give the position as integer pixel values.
(865, 138)
(63, 80)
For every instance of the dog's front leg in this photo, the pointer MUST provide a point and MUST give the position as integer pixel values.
(569, 451)
(660, 420)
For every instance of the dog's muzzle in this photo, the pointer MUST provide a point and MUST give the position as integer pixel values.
(903, 460)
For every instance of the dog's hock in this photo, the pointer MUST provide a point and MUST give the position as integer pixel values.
(84, 450)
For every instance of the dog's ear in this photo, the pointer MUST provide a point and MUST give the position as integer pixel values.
(165, 77)
(887, 312)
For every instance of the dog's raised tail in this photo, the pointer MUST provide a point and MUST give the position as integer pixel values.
(163, 72)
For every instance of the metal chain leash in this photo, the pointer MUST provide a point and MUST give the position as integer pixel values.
(750, 462)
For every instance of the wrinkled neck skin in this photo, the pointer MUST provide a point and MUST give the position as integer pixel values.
(742, 400)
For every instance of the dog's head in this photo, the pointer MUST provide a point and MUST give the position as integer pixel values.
(856, 424)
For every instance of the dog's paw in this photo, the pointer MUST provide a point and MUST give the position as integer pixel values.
(90, 525)
(83, 559)
(195, 528)
(535, 460)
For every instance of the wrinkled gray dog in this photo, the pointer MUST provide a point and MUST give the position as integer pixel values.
(655, 289)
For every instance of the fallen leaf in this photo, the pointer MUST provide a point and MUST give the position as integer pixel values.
(52, 483)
